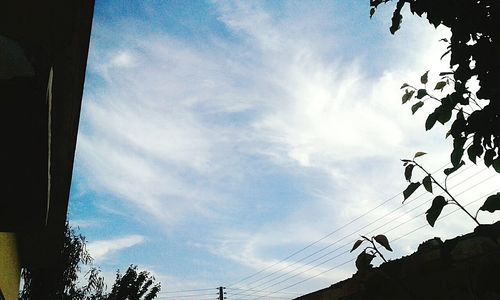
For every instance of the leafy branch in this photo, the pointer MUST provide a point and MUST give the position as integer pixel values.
(452, 102)
(363, 261)
(473, 60)
(422, 93)
(475, 125)
(491, 204)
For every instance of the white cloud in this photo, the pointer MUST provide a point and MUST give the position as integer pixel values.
(100, 250)
(337, 119)
(172, 130)
(80, 223)
(123, 59)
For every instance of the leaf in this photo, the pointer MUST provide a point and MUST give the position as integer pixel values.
(363, 261)
(407, 96)
(496, 164)
(356, 245)
(416, 106)
(408, 170)
(487, 142)
(433, 213)
(472, 153)
(446, 52)
(456, 156)
(492, 203)
(396, 17)
(405, 162)
(488, 157)
(440, 85)
(448, 171)
(412, 187)
(458, 150)
(427, 182)
(372, 11)
(404, 85)
(421, 93)
(443, 113)
(382, 240)
(423, 78)
(418, 154)
(431, 120)
(459, 125)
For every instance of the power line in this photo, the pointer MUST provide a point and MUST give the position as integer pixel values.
(346, 236)
(194, 297)
(420, 205)
(451, 212)
(245, 293)
(297, 283)
(349, 243)
(408, 233)
(185, 296)
(243, 296)
(185, 291)
(251, 290)
(192, 293)
(326, 236)
(270, 297)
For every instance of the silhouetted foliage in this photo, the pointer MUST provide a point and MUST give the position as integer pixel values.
(59, 281)
(473, 49)
(134, 285)
(364, 259)
(439, 202)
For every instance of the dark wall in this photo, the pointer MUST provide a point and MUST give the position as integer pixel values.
(466, 267)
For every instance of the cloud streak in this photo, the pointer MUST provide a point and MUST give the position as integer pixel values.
(171, 121)
(101, 250)
(177, 134)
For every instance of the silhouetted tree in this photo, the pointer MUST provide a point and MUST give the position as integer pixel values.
(59, 281)
(62, 281)
(134, 285)
(473, 50)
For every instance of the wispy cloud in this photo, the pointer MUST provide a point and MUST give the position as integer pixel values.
(179, 132)
(171, 121)
(85, 223)
(100, 250)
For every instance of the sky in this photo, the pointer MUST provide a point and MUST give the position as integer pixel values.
(247, 144)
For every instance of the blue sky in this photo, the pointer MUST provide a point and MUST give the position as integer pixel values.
(218, 137)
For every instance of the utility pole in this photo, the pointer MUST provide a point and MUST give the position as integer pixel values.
(221, 293)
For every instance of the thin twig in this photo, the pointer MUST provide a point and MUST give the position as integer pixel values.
(447, 192)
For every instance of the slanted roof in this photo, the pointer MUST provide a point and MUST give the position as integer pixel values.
(42, 70)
